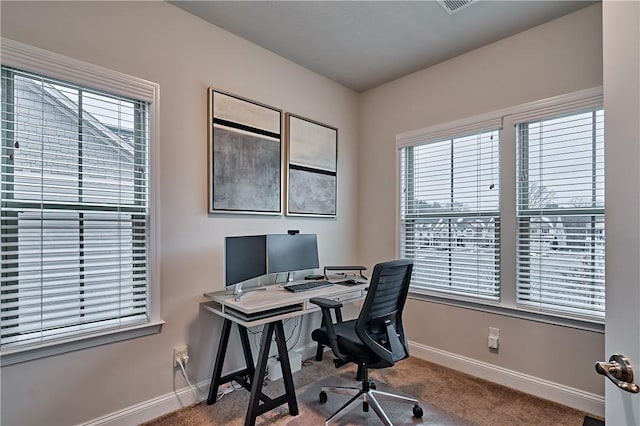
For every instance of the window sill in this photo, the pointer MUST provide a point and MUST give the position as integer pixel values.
(23, 354)
(520, 313)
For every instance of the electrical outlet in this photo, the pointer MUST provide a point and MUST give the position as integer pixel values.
(180, 352)
(494, 338)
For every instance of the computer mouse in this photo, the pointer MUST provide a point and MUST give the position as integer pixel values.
(352, 281)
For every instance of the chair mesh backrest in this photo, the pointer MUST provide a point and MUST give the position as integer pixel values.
(385, 301)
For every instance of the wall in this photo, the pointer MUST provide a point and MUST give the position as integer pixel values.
(185, 55)
(559, 57)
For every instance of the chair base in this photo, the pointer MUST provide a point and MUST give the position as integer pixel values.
(367, 396)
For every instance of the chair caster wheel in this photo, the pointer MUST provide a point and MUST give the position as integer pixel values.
(323, 397)
(417, 411)
(365, 407)
(372, 385)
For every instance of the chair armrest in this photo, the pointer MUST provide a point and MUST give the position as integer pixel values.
(326, 303)
(325, 306)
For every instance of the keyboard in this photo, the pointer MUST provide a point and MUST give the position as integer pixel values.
(310, 285)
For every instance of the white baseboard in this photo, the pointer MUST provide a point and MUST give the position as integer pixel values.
(152, 408)
(168, 403)
(565, 395)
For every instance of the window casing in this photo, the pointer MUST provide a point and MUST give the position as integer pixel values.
(78, 252)
(522, 289)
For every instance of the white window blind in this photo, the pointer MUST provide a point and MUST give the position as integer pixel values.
(560, 214)
(74, 209)
(449, 214)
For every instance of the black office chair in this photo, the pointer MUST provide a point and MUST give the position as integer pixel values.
(374, 340)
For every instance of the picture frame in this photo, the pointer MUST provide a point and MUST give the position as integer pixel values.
(312, 167)
(244, 155)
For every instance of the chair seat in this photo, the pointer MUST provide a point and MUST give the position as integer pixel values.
(348, 341)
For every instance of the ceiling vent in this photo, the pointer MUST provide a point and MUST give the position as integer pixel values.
(454, 5)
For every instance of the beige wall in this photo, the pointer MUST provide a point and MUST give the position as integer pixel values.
(559, 57)
(185, 55)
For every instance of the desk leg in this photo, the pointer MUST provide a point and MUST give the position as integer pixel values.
(246, 348)
(258, 376)
(217, 368)
(289, 390)
(216, 377)
(289, 396)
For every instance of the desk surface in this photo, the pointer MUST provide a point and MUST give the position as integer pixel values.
(275, 297)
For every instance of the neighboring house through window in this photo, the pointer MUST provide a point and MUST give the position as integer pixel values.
(76, 252)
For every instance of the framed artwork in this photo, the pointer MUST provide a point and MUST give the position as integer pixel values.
(245, 155)
(311, 168)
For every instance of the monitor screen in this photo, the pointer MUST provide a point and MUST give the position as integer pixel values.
(245, 258)
(288, 253)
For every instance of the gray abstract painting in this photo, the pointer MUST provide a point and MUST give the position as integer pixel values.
(312, 167)
(312, 193)
(245, 156)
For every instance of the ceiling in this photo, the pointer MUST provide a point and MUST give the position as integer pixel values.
(363, 44)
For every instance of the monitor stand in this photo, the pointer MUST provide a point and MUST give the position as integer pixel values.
(238, 292)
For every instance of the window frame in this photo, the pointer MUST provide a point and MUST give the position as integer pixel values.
(507, 306)
(56, 66)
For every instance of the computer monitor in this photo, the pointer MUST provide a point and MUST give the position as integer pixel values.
(245, 258)
(290, 253)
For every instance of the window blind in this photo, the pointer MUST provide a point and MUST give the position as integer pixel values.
(74, 209)
(449, 219)
(560, 214)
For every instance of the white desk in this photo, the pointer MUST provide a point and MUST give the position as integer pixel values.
(223, 304)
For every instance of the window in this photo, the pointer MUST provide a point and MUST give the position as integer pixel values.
(450, 219)
(76, 218)
(560, 261)
(504, 212)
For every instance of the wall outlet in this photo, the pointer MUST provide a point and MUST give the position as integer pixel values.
(494, 338)
(180, 352)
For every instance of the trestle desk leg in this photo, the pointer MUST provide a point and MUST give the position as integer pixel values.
(290, 391)
(258, 376)
(246, 348)
(289, 397)
(217, 368)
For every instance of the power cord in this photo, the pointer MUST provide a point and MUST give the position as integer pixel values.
(182, 360)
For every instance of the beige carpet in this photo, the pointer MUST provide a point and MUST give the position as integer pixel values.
(447, 397)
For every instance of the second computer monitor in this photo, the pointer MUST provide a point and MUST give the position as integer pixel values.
(290, 253)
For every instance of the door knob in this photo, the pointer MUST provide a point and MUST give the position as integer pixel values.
(619, 371)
